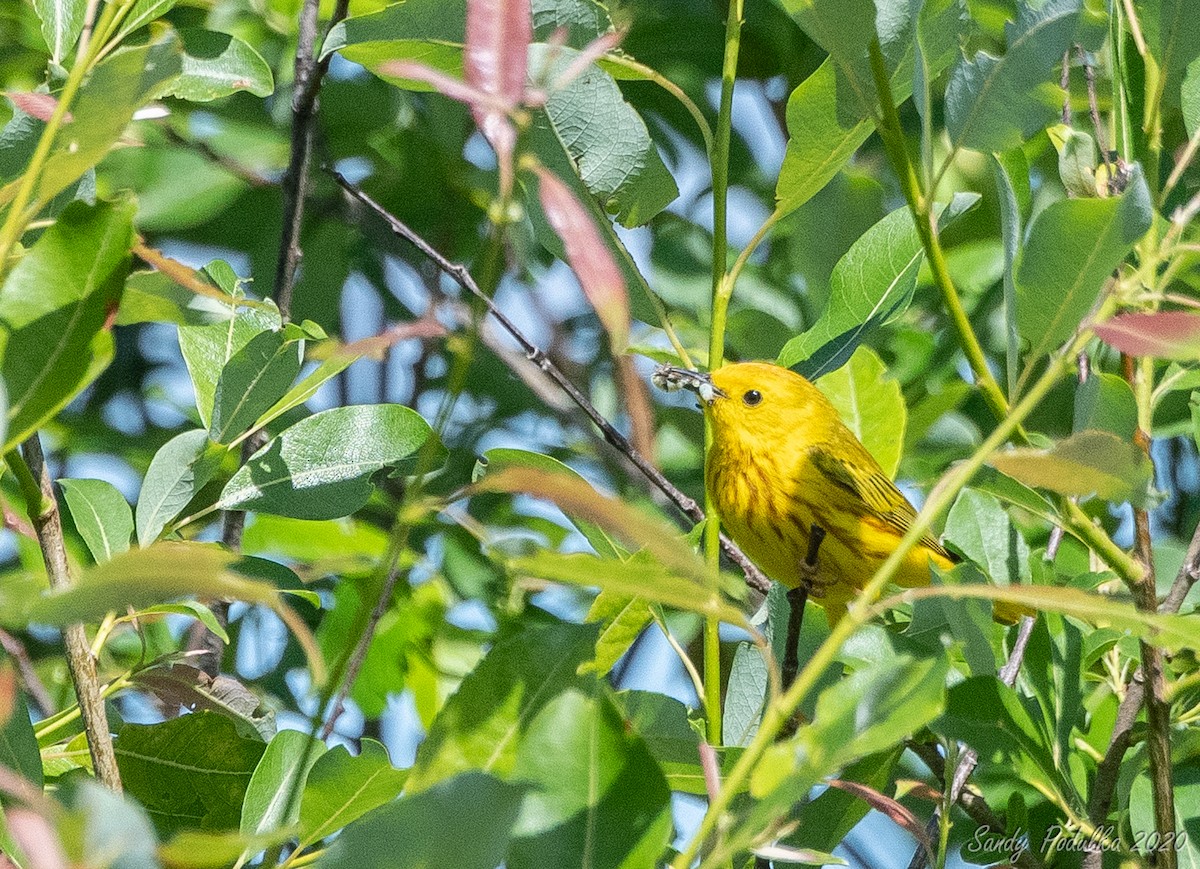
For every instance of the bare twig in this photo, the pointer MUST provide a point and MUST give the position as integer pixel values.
(47, 522)
(362, 646)
(973, 804)
(307, 84)
(1089, 73)
(1109, 767)
(205, 150)
(459, 274)
(1158, 708)
(309, 73)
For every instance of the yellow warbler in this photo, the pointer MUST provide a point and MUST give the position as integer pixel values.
(782, 461)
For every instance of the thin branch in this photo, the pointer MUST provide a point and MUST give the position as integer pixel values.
(1109, 767)
(973, 804)
(31, 469)
(363, 645)
(1158, 708)
(309, 73)
(205, 150)
(459, 274)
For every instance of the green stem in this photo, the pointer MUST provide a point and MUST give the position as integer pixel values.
(19, 212)
(722, 290)
(892, 135)
(670, 87)
(860, 610)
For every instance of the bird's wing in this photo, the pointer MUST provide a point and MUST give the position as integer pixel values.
(877, 493)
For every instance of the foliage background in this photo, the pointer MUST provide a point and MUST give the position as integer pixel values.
(526, 719)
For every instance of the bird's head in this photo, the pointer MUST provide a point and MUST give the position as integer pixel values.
(752, 399)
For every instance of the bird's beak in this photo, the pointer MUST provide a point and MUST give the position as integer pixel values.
(670, 378)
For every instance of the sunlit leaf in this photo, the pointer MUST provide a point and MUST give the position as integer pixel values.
(1085, 464)
(102, 516)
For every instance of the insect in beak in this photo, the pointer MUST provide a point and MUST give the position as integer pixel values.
(670, 378)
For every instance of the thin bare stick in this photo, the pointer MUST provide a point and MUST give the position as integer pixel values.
(973, 804)
(1109, 767)
(31, 469)
(459, 274)
(309, 73)
(307, 84)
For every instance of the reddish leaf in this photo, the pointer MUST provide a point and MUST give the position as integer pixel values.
(1163, 334)
(497, 52)
(446, 85)
(498, 37)
(888, 806)
(586, 253)
(40, 106)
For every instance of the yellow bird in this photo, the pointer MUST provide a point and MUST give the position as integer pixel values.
(782, 461)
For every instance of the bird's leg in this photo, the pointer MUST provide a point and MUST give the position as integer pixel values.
(797, 598)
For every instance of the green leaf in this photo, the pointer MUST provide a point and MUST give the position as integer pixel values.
(589, 119)
(481, 725)
(672, 738)
(1174, 41)
(870, 404)
(194, 609)
(582, 20)
(744, 696)
(341, 788)
(980, 528)
(196, 849)
(605, 137)
(141, 13)
(429, 30)
(1105, 402)
(821, 139)
(495, 460)
(207, 348)
(995, 103)
(216, 65)
(874, 708)
(1073, 247)
(18, 745)
(1012, 185)
(1085, 464)
(179, 470)
(831, 113)
(321, 467)
(870, 286)
(145, 577)
(281, 770)
(254, 378)
(62, 21)
(189, 772)
(99, 821)
(989, 716)
(337, 361)
(120, 85)
(639, 576)
(102, 516)
(622, 618)
(462, 823)
(53, 310)
(586, 774)
(1076, 160)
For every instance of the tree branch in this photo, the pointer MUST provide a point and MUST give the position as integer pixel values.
(459, 274)
(1109, 767)
(31, 469)
(309, 73)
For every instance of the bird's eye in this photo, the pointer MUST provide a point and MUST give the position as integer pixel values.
(752, 397)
